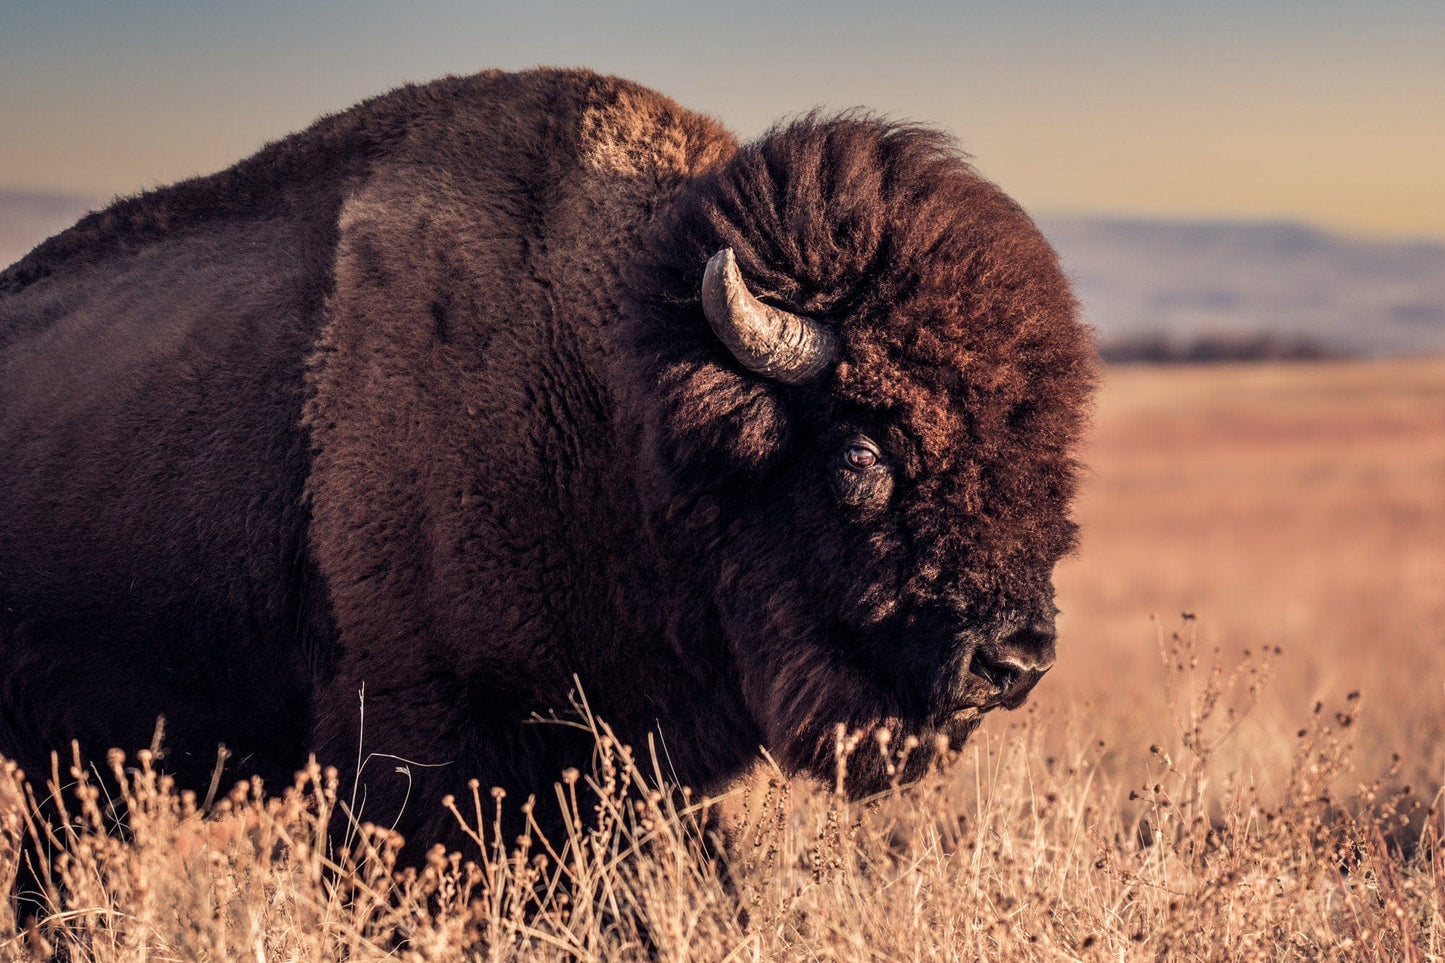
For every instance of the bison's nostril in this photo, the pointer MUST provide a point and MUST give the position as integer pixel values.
(1000, 675)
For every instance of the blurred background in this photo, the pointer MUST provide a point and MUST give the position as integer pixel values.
(1249, 196)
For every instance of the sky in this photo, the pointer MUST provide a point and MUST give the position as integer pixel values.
(1321, 111)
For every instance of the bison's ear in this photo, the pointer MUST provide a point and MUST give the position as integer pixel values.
(766, 340)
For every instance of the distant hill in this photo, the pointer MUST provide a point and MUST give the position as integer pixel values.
(1216, 289)
(1155, 290)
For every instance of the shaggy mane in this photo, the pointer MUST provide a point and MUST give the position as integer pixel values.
(958, 326)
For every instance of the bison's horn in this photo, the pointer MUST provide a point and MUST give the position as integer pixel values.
(773, 343)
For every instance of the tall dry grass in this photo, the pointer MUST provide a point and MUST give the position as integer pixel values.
(1261, 782)
(1026, 845)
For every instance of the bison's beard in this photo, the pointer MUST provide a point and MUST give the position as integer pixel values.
(823, 715)
(864, 765)
(846, 676)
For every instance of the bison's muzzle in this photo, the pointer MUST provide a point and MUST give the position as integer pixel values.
(999, 672)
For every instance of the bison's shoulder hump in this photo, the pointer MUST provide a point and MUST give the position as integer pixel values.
(308, 175)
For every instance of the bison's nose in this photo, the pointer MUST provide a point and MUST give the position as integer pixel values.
(1014, 664)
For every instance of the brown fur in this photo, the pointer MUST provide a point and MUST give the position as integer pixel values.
(516, 455)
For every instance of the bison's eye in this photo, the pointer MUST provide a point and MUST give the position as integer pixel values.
(860, 476)
(859, 456)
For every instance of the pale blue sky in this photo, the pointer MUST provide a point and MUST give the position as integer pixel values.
(1330, 112)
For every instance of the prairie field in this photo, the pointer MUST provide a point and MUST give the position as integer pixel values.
(1298, 506)
(1239, 756)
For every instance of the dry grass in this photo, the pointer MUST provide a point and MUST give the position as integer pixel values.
(1299, 506)
(1155, 801)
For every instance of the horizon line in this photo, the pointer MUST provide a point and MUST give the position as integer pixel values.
(96, 201)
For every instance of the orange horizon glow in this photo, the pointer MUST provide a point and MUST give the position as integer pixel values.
(1331, 113)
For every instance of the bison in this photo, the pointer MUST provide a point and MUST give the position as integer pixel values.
(388, 438)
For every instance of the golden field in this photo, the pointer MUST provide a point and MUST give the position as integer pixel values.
(1292, 505)
(1217, 785)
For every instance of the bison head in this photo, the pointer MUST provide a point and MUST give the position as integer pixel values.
(863, 377)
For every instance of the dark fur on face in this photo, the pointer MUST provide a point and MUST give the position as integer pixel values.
(963, 360)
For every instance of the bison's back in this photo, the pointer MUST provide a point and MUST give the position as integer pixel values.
(323, 406)
(152, 461)
(151, 530)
